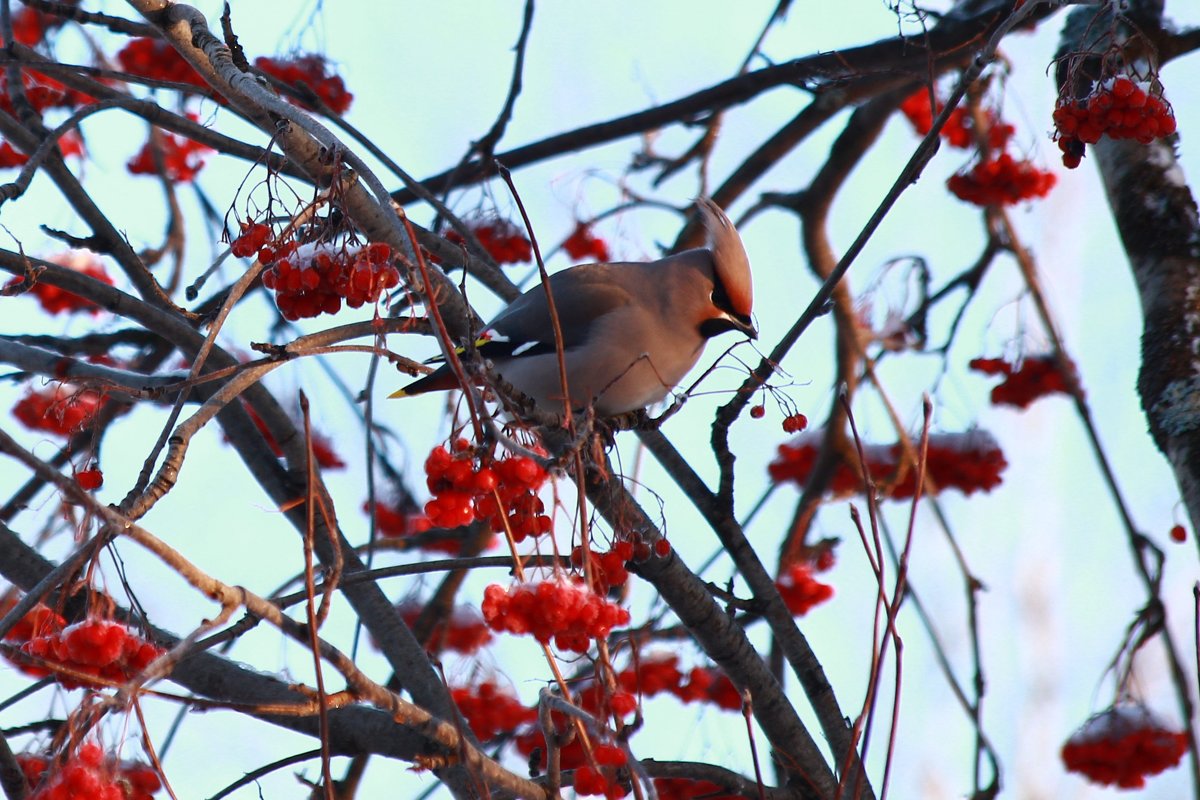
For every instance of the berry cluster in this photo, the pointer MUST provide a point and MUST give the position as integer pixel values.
(592, 699)
(30, 25)
(959, 130)
(1121, 746)
(182, 158)
(971, 461)
(582, 243)
(502, 491)
(253, 237)
(309, 73)
(562, 610)
(502, 240)
(105, 649)
(61, 410)
(602, 779)
(10, 157)
(647, 678)
(490, 711)
(417, 531)
(158, 60)
(662, 674)
(464, 631)
(608, 569)
(55, 300)
(40, 621)
(689, 789)
(800, 591)
(396, 522)
(794, 423)
(87, 774)
(43, 93)
(996, 178)
(1025, 381)
(315, 279)
(69, 144)
(1001, 181)
(1118, 108)
(322, 448)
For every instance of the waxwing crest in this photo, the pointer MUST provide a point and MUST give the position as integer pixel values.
(729, 255)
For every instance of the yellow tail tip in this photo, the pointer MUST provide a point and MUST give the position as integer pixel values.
(398, 394)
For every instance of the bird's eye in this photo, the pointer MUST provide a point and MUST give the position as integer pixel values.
(720, 299)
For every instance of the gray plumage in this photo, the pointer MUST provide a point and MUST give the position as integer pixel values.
(631, 330)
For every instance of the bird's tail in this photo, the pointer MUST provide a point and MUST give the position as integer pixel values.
(729, 254)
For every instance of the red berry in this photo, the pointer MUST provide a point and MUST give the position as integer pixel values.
(1178, 533)
(794, 423)
(89, 479)
(758, 412)
(1123, 87)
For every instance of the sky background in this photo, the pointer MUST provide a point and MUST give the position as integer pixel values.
(1048, 545)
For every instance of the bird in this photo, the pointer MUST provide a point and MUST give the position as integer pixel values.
(631, 331)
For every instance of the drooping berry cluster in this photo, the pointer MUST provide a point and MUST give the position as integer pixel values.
(503, 491)
(794, 423)
(1122, 746)
(322, 447)
(490, 711)
(800, 590)
(102, 648)
(411, 525)
(608, 568)
(55, 300)
(43, 93)
(602, 779)
(503, 240)
(464, 631)
(10, 157)
(182, 158)
(158, 60)
(69, 144)
(659, 674)
(561, 610)
(315, 279)
(87, 774)
(996, 178)
(254, 236)
(969, 462)
(582, 243)
(1027, 380)
(61, 409)
(311, 71)
(40, 621)
(1119, 108)
(648, 677)
(30, 25)
(1001, 181)
(397, 521)
(959, 130)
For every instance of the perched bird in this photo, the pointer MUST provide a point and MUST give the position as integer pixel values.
(630, 330)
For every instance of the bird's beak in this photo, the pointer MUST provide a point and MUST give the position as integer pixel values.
(745, 325)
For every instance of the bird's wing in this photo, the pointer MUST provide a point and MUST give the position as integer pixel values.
(582, 295)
